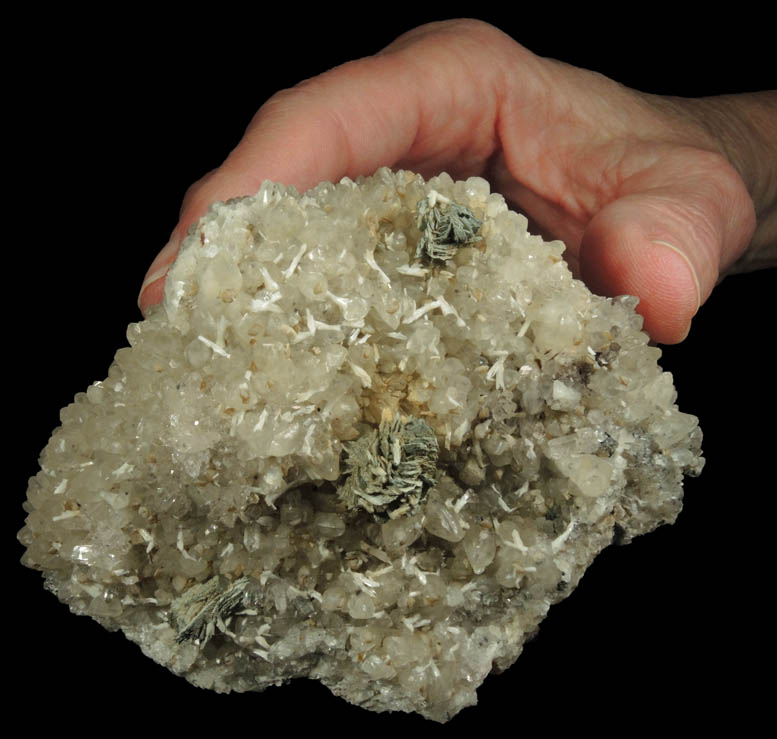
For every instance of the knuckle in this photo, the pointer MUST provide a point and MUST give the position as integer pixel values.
(194, 193)
(454, 31)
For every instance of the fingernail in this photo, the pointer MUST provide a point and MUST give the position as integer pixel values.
(690, 267)
(158, 271)
(153, 277)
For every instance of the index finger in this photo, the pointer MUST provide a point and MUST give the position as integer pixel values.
(428, 101)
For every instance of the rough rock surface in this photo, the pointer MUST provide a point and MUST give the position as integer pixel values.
(372, 434)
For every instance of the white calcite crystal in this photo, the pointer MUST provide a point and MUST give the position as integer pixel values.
(373, 433)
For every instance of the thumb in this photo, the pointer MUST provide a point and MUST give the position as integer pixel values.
(668, 243)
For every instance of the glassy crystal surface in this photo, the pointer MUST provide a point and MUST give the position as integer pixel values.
(374, 432)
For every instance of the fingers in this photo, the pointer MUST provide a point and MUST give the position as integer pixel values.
(668, 242)
(152, 289)
(298, 138)
(426, 102)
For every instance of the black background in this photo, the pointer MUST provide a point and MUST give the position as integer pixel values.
(116, 117)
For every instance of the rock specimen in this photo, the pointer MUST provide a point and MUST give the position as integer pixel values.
(373, 433)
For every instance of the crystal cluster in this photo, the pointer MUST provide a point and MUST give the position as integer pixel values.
(373, 433)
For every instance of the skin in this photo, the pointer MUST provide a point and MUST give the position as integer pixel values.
(654, 197)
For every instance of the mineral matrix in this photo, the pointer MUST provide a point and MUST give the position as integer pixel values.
(201, 498)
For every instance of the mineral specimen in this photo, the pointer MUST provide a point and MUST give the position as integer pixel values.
(371, 435)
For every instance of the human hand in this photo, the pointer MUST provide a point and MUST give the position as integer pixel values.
(637, 187)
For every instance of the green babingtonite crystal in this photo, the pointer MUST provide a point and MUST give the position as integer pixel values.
(373, 432)
(445, 226)
(390, 468)
(203, 608)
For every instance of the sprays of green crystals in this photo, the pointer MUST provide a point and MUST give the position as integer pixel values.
(202, 608)
(390, 468)
(445, 226)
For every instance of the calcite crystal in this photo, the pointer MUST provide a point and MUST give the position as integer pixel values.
(373, 433)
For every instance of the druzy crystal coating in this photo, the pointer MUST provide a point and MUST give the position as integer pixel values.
(331, 453)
